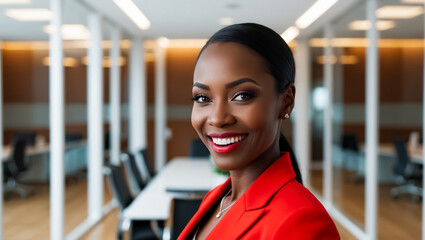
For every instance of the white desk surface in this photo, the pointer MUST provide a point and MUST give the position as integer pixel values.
(40, 149)
(180, 174)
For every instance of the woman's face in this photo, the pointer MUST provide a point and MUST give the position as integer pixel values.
(236, 107)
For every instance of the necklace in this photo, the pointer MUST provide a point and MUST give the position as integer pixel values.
(221, 205)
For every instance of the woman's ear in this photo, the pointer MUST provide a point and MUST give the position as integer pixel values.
(288, 101)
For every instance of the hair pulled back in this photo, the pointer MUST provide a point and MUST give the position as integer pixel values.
(266, 42)
(277, 54)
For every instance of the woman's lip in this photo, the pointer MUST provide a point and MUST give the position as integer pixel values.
(225, 135)
(226, 148)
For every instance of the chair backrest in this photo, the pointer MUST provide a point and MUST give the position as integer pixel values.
(198, 149)
(132, 170)
(72, 137)
(349, 142)
(29, 137)
(119, 185)
(147, 161)
(18, 154)
(402, 157)
(183, 211)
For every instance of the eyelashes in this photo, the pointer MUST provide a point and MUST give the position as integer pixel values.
(242, 97)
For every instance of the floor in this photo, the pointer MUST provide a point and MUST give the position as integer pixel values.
(29, 219)
(397, 219)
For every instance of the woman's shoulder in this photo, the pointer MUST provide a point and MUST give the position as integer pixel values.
(294, 196)
(295, 207)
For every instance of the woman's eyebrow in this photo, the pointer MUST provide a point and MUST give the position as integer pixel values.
(240, 81)
(200, 85)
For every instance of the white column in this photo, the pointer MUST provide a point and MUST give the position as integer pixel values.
(115, 98)
(302, 103)
(1, 144)
(95, 118)
(160, 108)
(327, 136)
(137, 97)
(57, 124)
(372, 98)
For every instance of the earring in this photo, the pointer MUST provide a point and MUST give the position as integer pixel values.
(286, 116)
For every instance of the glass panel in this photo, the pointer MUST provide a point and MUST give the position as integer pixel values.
(349, 116)
(75, 62)
(25, 114)
(318, 101)
(400, 108)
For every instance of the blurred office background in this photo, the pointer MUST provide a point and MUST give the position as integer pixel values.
(357, 128)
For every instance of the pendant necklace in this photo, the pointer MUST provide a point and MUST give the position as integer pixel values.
(221, 205)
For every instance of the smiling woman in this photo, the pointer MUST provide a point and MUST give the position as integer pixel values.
(243, 89)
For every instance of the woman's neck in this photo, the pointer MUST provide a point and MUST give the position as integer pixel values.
(243, 178)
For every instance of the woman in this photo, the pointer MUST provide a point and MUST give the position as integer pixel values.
(243, 89)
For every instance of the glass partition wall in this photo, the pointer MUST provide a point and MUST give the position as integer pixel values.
(348, 111)
(25, 74)
(400, 95)
(400, 120)
(318, 103)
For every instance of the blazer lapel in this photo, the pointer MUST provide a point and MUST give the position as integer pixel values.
(251, 206)
(209, 201)
(236, 221)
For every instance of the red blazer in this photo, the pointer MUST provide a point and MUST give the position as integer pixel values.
(275, 206)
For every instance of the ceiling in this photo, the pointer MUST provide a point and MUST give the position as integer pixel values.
(197, 18)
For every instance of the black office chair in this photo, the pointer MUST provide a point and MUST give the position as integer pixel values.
(14, 167)
(147, 161)
(29, 137)
(406, 172)
(140, 230)
(198, 149)
(133, 174)
(183, 210)
(350, 146)
(73, 137)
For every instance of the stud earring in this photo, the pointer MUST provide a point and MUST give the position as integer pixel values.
(286, 116)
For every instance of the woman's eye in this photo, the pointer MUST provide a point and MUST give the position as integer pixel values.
(243, 97)
(200, 99)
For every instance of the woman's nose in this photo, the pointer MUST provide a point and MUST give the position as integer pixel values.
(220, 115)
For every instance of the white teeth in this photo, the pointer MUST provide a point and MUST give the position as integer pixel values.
(227, 141)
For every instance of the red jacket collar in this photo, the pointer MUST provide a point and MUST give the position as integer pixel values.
(250, 204)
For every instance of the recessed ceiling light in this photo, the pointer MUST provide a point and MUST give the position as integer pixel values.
(67, 62)
(413, 1)
(399, 12)
(134, 13)
(71, 31)
(363, 25)
(314, 12)
(15, 1)
(163, 42)
(29, 14)
(226, 21)
(106, 61)
(290, 34)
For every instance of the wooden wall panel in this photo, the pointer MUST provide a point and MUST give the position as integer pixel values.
(180, 66)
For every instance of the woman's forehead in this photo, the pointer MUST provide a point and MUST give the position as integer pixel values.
(229, 57)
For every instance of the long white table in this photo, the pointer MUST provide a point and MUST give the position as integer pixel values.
(179, 175)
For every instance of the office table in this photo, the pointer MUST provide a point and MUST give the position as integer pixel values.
(388, 149)
(40, 149)
(179, 175)
(39, 162)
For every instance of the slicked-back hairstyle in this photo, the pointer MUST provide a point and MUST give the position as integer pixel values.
(266, 42)
(277, 54)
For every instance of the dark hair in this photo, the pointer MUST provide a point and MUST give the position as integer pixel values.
(280, 61)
